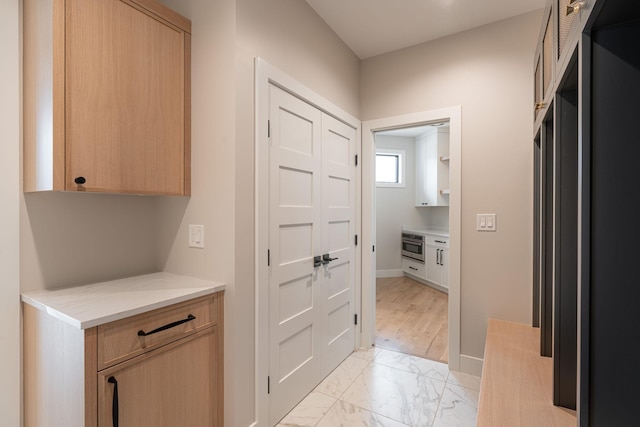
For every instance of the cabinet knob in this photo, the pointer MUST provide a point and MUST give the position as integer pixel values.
(80, 180)
(573, 7)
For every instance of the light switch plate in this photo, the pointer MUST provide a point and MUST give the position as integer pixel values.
(196, 236)
(486, 222)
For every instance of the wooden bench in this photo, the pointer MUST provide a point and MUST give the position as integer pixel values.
(516, 386)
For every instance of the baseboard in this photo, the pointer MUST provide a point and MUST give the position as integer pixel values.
(389, 273)
(254, 424)
(471, 365)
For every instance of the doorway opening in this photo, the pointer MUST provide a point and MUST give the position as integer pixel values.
(412, 235)
(435, 216)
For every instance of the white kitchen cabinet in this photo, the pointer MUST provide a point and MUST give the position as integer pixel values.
(437, 260)
(432, 168)
(414, 268)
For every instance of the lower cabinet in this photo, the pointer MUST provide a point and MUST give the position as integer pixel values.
(172, 386)
(414, 268)
(160, 368)
(438, 265)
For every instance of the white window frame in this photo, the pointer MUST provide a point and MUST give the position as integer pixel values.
(401, 167)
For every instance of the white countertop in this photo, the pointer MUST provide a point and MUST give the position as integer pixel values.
(99, 303)
(425, 231)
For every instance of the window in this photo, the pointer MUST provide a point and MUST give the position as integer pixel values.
(389, 168)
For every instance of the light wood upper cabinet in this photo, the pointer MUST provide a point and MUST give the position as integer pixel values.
(107, 97)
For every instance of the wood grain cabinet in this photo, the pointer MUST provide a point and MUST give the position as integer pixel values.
(161, 368)
(106, 97)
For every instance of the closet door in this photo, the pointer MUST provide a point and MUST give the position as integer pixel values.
(311, 246)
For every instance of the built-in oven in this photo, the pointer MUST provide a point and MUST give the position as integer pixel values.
(413, 246)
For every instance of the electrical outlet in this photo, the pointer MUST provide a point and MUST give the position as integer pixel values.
(196, 236)
(486, 222)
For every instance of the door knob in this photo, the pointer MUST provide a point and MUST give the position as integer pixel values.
(326, 259)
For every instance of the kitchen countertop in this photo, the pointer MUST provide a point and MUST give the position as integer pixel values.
(99, 303)
(425, 231)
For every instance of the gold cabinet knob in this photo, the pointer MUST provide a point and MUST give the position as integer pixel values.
(574, 7)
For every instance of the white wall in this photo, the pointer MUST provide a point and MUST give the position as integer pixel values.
(10, 131)
(289, 35)
(227, 35)
(488, 71)
(396, 206)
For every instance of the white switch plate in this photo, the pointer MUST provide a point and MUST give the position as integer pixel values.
(486, 222)
(196, 236)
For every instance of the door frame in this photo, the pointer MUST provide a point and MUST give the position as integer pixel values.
(266, 74)
(454, 115)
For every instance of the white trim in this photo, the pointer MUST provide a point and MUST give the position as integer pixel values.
(266, 74)
(389, 273)
(471, 365)
(454, 115)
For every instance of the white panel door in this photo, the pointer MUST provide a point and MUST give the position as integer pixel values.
(338, 232)
(295, 366)
(312, 213)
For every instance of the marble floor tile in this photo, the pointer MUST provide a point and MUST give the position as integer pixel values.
(458, 407)
(309, 411)
(343, 376)
(344, 414)
(369, 354)
(403, 396)
(416, 365)
(464, 380)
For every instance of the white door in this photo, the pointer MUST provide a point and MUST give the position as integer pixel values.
(311, 214)
(338, 231)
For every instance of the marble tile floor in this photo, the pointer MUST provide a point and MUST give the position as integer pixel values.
(383, 388)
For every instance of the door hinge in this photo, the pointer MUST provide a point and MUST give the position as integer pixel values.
(373, 248)
(268, 128)
(356, 239)
(268, 258)
(268, 384)
(355, 319)
(356, 160)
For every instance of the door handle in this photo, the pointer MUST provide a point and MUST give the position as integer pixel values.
(326, 259)
(114, 404)
(438, 256)
(441, 258)
(317, 261)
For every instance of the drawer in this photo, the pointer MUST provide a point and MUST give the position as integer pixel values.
(436, 240)
(414, 268)
(124, 339)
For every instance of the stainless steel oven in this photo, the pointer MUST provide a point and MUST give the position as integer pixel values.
(413, 246)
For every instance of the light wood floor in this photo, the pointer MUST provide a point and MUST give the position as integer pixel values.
(412, 318)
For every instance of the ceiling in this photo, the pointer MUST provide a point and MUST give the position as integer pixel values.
(374, 27)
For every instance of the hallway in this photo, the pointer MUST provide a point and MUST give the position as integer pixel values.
(388, 389)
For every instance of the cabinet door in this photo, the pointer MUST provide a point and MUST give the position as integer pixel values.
(175, 385)
(444, 268)
(433, 267)
(124, 99)
(421, 173)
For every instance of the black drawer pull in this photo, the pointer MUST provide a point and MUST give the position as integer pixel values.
(114, 407)
(440, 241)
(168, 326)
